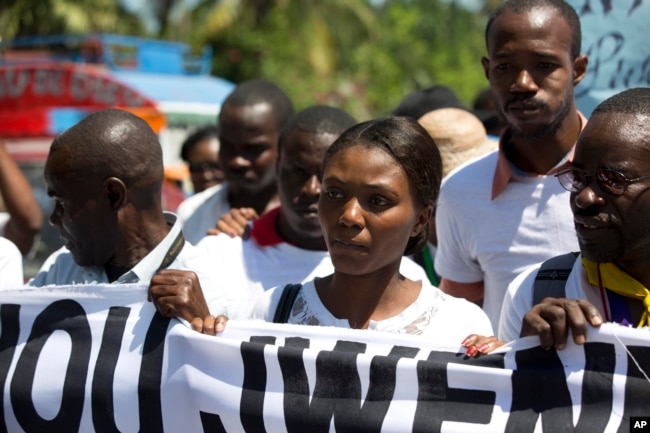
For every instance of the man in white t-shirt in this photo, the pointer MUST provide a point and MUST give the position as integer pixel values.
(108, 209)
(504, 212)
(609, 184)
(249, 126)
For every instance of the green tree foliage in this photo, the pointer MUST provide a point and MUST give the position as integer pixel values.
(349, 53)
(302, 45)
(432, 42)
(46, 17)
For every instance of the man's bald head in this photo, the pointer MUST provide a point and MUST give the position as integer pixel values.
(113, 143)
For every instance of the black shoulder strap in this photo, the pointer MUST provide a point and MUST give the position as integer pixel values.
(551, 277)
(289, 294)
(173, 252)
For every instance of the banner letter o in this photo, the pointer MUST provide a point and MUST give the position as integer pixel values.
(65, 315)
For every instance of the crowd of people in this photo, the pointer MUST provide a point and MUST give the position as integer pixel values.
(421, 222)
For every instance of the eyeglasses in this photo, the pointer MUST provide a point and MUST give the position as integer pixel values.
(200, 167)
(610, 181)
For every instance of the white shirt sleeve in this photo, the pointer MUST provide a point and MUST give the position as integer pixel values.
(453, 259)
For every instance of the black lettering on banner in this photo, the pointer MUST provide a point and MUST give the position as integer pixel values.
(597, 387)
(252, 396)
(149, 404)
(637, 388)
(211, 423)
(337, 391)
(65, 315)
(10, 326)
(437, 402)
(102, 386)
(383, 375)
(539, 387)
(296, 384)
(337, 388)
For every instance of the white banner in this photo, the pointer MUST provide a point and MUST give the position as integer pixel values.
(97, 358)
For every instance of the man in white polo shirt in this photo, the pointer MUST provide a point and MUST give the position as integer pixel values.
(506, 211)
(105, 176)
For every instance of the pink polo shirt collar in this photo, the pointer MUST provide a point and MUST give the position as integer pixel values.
(503, 173)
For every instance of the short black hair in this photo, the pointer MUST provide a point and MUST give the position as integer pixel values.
(412, 147)
(196, 137)
(257, 91)
(631, 101)
(114, 143)
(317, 119)
(416, 104)
(565, 10)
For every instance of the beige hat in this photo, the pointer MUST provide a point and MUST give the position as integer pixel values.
(459, 135)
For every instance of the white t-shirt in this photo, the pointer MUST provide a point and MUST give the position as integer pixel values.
(432, 313)
(480, 239)
(519, 298)
(202, 211)
(61, 269)
(249, 267)
(11, 265)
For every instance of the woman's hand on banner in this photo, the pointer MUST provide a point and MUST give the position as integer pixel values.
(480, 345)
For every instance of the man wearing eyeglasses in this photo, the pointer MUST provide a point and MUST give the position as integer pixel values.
(609, 185)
